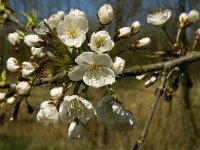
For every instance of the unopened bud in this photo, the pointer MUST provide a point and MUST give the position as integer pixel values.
(197, 34)
(56, 92)
(28, 68)
(12, 64)
(14, 38)
(23, 88)
(55, 18)
(118, 65)
(183, 19)
(77, 12)
(11, 100)
(193, 16)
(150, 82)
(33, 40)
(135, 27)
(142, 76)
(105, 14)
(38, 52)
(124, 32)
(143, 43)
(2, 96)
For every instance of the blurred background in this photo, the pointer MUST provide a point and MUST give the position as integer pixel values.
(176, 124)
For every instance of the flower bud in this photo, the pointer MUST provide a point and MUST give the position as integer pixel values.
(142, 76)
(23, 88)
(76, 130)
(150, 82)
(12, 64)
(183, 19)
(135, 27)
(193, 16)
(118, 65)
(14, 38)
(28, 68)
(2, 96)
(56, 92)
(55, 18)
(197, 34)
(124, 32)
(77, 12)
(11, 100)
(105, 14)
(38, 52)
(143, 43)
(33, 40)
(48, 114)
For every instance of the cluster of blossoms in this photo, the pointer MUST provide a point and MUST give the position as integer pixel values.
(61, 43)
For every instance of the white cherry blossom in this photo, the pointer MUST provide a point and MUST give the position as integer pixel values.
(94, 69)
(12, 64)
(32, 40)
(28, 68)
(118, 65)
(101, 42)
(77, 12)
(14, 38)
(23, 88)
(159, 17)
(48, 114)
(56, 92)
(105, 14)
(72, 30)
(73, 108)
(38, 52)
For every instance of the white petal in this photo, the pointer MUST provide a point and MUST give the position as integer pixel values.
(106, 77)
(76, 130)
(76, 73)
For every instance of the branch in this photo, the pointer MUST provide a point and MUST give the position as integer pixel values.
(153, 108)
(50, 79)
(141, 69)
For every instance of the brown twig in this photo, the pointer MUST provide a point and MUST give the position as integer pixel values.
(152, 110)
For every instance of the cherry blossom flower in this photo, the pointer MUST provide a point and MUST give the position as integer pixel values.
(105, 14)
(94, 69)
(72, 30)
(48, 114)
(101, 42)
(75, 108)
(159, 17)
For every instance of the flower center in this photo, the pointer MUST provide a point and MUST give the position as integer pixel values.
(94, 69)
(72, 32)
(75, 109)
(99, 42)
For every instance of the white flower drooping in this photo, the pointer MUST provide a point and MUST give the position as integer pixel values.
(94, 69)
(28, 68)
(159, 17)
(72, 30)
(33, 40)
(73, 108)
(48, 114)
(56, 92)
(76, 130)
(14, 38)
(113, 112)
(12, 64)
(101, 42)
(105, 14)
(118, 65)
(23, 88)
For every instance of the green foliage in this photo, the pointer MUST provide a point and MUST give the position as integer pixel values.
(31, 19)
